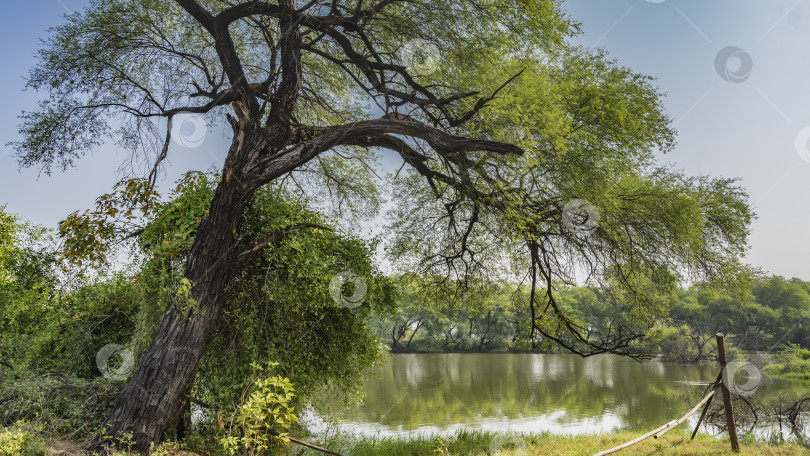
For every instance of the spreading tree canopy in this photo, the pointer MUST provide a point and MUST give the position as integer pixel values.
(521, 152)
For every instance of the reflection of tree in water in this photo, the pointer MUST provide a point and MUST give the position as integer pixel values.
(445, 390)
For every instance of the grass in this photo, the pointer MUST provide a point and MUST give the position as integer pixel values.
(476, 443)
(791, 370)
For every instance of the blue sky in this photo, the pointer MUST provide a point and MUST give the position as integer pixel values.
(739, 118)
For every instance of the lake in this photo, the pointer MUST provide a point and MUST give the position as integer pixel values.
(441, 393)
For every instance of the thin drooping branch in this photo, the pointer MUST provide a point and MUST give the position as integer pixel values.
(618, 343)
(163, 152)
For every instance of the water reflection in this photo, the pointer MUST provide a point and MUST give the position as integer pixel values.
(441, 393)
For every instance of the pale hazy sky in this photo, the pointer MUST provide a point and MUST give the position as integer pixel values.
(736, 74)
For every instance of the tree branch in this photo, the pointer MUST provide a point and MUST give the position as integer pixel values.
(372, 133)
(223, 43)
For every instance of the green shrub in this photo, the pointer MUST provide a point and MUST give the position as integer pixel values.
(17, 440)
(264, 418)
(792, 361)
(676, 346)
(58, 404)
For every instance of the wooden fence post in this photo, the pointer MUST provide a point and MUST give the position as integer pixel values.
(715, 385)
(729, 407)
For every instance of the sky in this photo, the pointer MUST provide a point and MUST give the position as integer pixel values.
(736, 74)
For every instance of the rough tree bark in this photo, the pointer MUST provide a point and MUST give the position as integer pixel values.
(150, 401)
(269, 142)
(121, 58)
(258, 154)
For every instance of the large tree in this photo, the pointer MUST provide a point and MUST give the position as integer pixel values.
(523, 152)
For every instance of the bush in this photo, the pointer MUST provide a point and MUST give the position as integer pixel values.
(676, 346)
(17, 440)
(792, 361)
(90, 317)
(264, 417)
(57, 404)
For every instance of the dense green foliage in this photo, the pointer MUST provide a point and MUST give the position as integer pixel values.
(19, 441)
(281, 307)
(28, 280)
(792, 361)
(548, 123)
(771, 312)
(513, 125)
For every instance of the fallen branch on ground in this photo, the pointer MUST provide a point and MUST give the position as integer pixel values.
(658, 432)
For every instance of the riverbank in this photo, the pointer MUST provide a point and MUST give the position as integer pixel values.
(476, 443)
(467, 443)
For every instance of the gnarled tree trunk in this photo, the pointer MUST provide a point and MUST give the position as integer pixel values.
(153, 396)
(268, 143)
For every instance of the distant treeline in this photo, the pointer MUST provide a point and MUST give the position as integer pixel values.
(770, 314)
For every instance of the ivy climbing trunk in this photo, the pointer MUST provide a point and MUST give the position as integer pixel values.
(152, 398)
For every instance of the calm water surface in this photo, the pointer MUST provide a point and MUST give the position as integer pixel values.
(441, 393)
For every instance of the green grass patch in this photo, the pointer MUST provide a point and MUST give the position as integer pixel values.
(466, 443)
(478, 443)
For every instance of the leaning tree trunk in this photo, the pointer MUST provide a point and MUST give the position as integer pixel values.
(151, 399)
